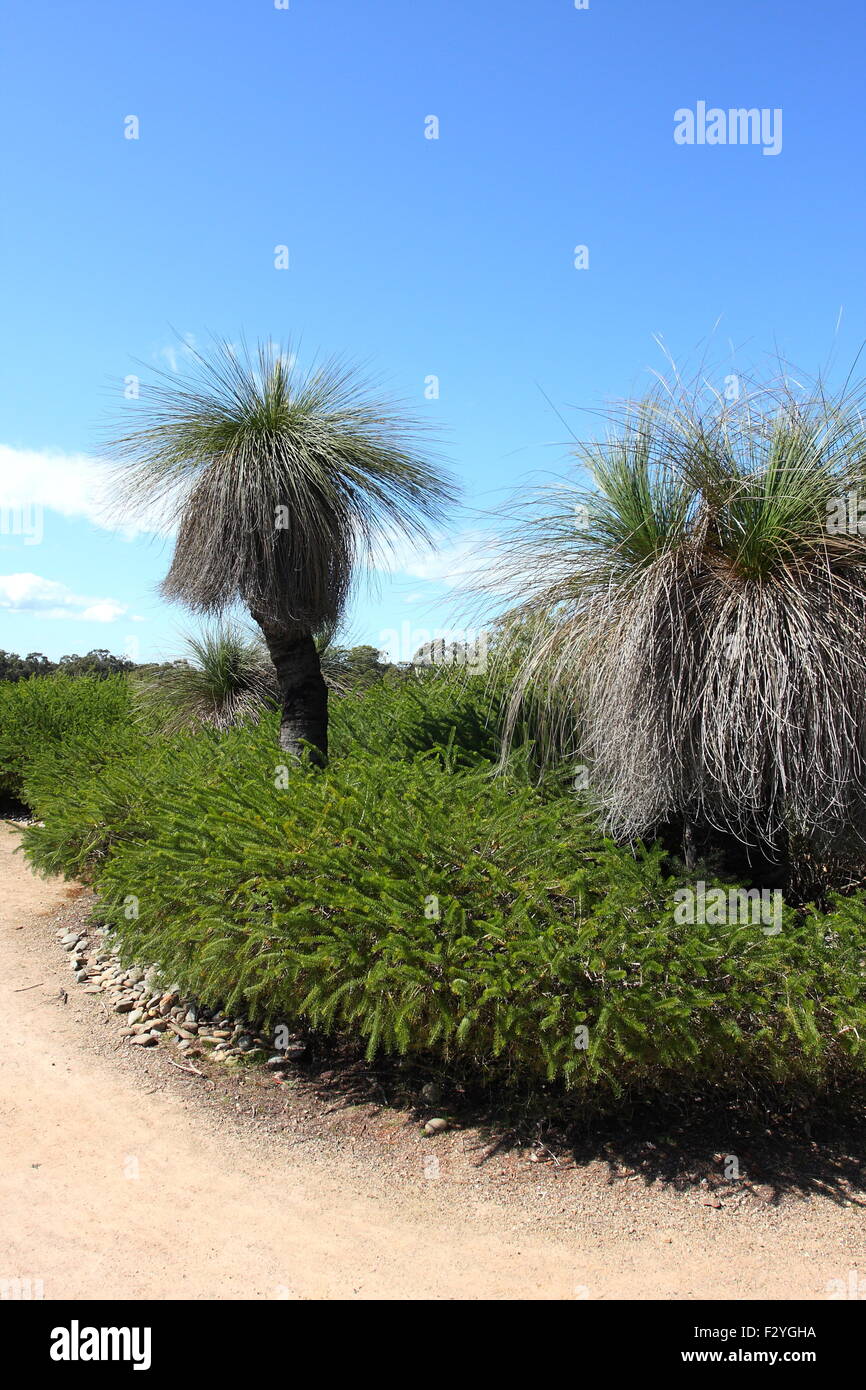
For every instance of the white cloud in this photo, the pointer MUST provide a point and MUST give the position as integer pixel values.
(453, 563)
(105, 611)
(47, 598)
(74, 485)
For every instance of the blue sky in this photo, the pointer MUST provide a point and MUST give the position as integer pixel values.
(451, 257)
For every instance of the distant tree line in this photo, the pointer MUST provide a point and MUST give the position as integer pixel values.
(353, 666)
(97, 662)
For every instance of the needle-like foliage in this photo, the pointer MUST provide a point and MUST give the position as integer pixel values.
(694, 620)
(278, 480)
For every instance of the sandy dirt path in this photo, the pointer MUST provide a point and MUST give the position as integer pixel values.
(114, 1187)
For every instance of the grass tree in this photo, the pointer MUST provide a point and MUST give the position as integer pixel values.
(692, 621)
(280, 484)
(224, 678)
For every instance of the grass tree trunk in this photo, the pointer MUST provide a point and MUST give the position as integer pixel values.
(690, 852)
(303, 692)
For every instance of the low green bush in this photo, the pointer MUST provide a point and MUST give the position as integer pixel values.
(421, 902)
(407, 714)
(44, 712)
(91, 787)
(88, 793)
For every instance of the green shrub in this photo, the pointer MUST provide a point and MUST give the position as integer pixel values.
(317, 903)
(89, 793)
(44, 712)
(420, 902)
(408, 714)
(93, 788)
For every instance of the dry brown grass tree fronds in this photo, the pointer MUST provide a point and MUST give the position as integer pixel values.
(694, 623)
(279, 479)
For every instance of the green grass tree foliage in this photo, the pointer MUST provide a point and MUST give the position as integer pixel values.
(225, 677)
(280, 483)
(695, 620)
